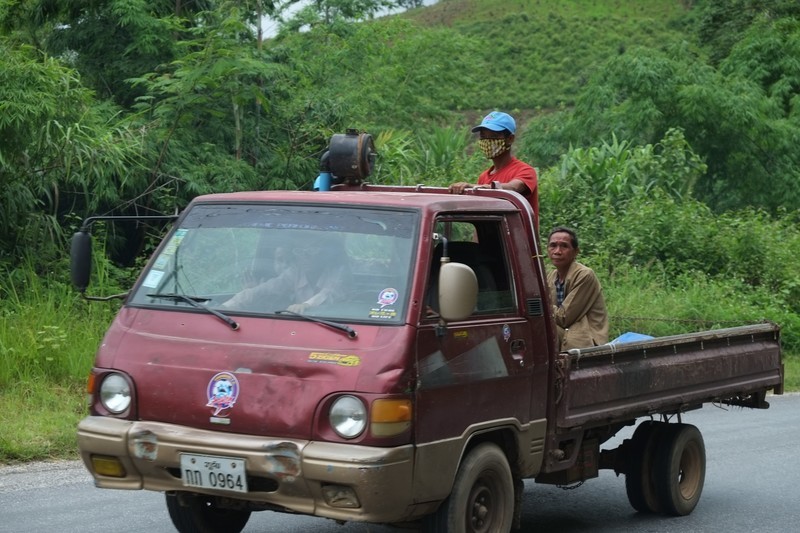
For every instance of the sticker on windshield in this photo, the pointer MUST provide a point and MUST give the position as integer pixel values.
(386, 298)
(175, 241)
(153, 278)
(223, 391)
(382, 313)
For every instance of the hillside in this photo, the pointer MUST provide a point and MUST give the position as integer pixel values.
(537, 54)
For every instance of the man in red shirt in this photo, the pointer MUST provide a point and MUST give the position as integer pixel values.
(496, 135)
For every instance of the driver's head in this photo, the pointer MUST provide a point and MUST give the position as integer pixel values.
(282, 260)
(308, 251)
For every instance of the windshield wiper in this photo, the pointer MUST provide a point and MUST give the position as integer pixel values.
(197, 301)
(351, 333)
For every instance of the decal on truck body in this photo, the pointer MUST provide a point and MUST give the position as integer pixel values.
(334, 358)
(222, 391)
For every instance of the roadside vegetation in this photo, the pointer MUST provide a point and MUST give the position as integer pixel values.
(663, 131)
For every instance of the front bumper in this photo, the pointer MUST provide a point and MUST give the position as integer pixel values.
(283, 474)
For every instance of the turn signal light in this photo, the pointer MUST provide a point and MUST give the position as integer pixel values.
(90, 384)
(108, 466)
(390, 417)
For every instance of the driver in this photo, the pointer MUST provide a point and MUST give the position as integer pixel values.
(307, 275)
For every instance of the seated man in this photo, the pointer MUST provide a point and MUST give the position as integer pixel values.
(305, 277)
(578, 306)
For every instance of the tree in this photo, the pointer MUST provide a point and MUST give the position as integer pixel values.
(60, 151)
(742, 132)
(332, 13)
(723, 23)
(111, 41)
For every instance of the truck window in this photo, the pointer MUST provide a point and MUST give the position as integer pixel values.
(480, 245)
(351, 264)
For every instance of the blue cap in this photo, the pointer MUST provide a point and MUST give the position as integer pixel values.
(497, 121)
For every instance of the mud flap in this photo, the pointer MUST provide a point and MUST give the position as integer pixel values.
(519, 490)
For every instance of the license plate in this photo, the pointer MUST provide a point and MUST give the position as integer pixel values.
(213, 472)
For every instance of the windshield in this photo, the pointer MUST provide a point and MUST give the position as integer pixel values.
(336, 263)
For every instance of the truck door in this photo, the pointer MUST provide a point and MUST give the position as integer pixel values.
(484, 371)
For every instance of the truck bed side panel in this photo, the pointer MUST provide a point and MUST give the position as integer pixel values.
(670, 374)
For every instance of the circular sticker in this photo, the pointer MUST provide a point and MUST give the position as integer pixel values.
(222, 391)
(387, 297)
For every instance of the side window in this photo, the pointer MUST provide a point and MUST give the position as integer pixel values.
(480, 245)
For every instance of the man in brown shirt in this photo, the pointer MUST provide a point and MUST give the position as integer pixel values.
(578, 306)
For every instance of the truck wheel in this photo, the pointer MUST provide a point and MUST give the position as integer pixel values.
(680, 469)
(197, 513)
(482, 500)
(639, 484)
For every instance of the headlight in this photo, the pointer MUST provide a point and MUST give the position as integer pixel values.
(348, 417)
(115, 393)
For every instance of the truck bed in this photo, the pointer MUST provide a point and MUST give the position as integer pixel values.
(617, 383)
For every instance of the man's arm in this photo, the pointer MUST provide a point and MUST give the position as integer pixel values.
(246, 297)
(460, 187)
(583, 292)
(513, 185)
(331, 286)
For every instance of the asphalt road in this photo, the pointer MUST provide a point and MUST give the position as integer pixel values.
(751, 484)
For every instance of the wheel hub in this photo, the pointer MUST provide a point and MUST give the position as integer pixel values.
(480, 517)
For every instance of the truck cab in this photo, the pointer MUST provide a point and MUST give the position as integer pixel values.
(199, 391)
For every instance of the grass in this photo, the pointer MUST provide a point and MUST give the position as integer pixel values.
(39, 421)
(48, 337)
(791, 369)
(658, 305)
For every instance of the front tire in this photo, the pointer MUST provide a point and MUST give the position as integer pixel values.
(197, 513)
(680, 469)
(482, 500)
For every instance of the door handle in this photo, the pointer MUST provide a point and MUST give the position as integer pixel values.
(518, 351)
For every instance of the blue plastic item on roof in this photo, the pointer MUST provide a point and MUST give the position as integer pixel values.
(630, 336)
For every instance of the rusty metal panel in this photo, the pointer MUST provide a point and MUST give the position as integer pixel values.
(610, 383)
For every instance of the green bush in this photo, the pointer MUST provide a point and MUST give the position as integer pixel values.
(665, 257)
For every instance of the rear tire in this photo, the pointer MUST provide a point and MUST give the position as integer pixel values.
(639, 484)
(197, 513)
(482, 500)
(680, 469)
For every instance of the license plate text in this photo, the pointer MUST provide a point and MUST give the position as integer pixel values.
(212, 472)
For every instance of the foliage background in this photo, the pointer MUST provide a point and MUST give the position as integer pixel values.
(664, 131)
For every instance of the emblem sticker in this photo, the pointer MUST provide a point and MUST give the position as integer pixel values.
(506, 332)
(387, 297)
(222, 391)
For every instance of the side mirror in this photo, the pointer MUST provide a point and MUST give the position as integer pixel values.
(458, 291)
(80, 267)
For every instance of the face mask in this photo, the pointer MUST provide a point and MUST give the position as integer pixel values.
(491, 148)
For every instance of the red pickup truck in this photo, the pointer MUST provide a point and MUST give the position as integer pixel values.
(422, 387)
